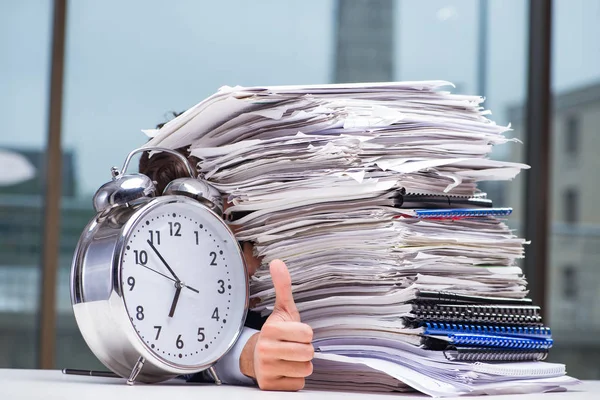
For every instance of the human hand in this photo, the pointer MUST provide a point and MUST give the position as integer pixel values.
(283, 352)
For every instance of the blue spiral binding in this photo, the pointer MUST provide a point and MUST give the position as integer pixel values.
(462, 212)
(499, 341)
(438, 328)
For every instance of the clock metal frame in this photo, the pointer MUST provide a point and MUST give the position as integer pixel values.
(97, 294)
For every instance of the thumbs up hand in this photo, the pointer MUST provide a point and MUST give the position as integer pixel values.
(283, 351)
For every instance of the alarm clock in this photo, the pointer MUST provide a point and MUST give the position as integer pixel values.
(158, 283)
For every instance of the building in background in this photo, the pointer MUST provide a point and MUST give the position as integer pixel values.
(364, 41)
(574, 244)
(21, 229)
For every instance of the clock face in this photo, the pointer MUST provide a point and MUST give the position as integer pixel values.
(184, 284)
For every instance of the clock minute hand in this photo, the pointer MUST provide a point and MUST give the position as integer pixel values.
(163, 261)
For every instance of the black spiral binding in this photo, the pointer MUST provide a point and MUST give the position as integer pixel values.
(454, 353)
(425, 200)
(442, 297)
(478, 314)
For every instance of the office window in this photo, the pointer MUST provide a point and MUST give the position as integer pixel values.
(24, 45)
(572, 135)
(575, 86)
(569, 282)
(571, 206)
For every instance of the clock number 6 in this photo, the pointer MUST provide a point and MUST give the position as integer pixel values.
(179, 342)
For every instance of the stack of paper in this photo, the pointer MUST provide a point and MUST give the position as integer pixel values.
(404, 270)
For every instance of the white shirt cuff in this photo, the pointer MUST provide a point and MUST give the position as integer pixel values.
(228, 367)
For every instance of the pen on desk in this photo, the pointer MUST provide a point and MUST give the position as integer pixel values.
(84, 372)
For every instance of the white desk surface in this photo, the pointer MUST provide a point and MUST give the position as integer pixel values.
(53, 385)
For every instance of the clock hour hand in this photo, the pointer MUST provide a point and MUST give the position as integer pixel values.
(175, 300)
(163, 261)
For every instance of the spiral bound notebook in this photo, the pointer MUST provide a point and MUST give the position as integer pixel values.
(453, 353)
(476, 314)
(435, 328)
(438, 297)
(456, 213)
(423, 200)
(493, 341)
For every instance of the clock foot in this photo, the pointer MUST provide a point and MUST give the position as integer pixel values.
(214, 375)
(137, 368)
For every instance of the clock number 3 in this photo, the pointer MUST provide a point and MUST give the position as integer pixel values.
(222, 287)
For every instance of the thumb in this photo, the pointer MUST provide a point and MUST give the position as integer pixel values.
(285, 308)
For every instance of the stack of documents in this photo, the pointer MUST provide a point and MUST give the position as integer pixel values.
(403, 268)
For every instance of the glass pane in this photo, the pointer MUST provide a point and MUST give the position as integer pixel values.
(24, 46)
(158, 57)
(480, 46)
(574, 277)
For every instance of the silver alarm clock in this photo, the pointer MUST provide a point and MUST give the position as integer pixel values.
(158, 283)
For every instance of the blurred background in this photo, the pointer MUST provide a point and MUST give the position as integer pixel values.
(128, 65)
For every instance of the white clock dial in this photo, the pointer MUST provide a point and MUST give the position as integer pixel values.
(184, 284)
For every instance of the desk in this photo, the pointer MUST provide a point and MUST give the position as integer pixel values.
(53, 385)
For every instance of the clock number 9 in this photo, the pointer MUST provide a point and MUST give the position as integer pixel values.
(179, 342)
(222, 288)
(131, 283)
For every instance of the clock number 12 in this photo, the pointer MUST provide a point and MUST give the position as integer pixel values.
(177, 230)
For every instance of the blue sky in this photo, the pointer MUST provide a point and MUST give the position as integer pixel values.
(130, 62)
